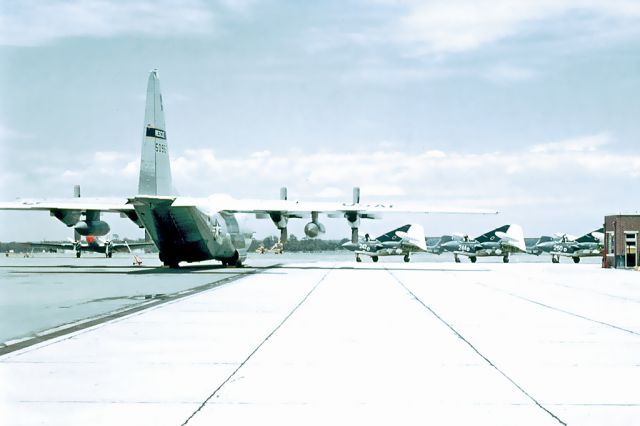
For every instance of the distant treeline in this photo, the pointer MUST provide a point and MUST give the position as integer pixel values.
(296, 245)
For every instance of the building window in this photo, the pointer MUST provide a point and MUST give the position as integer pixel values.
(631, 249)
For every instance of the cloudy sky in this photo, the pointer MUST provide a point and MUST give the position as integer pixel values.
(530, 107)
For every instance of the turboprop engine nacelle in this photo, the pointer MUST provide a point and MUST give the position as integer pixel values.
(92, 227)
(313, 229)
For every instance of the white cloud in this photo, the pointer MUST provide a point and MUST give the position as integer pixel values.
(433, 175)
(536, 182)
(443, 26)
(589, 143)
(35, 22)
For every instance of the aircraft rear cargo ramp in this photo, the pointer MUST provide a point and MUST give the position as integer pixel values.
(340, 343)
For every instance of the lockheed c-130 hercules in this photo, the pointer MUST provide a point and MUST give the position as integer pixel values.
(197, 229)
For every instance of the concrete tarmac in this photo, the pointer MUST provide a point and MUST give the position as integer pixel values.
(340, 343)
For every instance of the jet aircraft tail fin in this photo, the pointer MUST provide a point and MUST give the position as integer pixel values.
(514, 237)
(392, 236)
(414, 236)
(155, 169)
(491, 235)
(592, 237)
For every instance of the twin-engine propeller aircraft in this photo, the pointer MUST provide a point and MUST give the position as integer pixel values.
(589, 245)
(196, 229)
(93, 244)
(400, 242)
(498, 242)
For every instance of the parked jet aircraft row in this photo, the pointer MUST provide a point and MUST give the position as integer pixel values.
(501, 241)
(408, 239)
(195, 229)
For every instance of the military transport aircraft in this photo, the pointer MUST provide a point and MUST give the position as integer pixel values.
(589, 245)
(498, 242)
(196, 229)
(93, 244)
(400, 242)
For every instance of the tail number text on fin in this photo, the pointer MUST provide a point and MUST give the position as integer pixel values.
(161, 148)
(156, 133)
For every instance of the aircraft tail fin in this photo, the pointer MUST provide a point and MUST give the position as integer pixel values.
(391, 235)
(491, 235)
(414, 236)
(155, 169)
(591, 237)
(514, 237)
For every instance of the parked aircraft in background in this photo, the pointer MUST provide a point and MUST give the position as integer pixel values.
(196, 229)
(588, 245)
(277, 248)
(499, 242)
(93, 244)
(400, 242)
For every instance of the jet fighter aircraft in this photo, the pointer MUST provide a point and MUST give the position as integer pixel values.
(93, 244)
(499, 242)
(589, 245)
(196, 229)
(400, 242)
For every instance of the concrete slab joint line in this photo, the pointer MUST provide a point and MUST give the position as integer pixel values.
(526, 299)
(474, 348)
(228, 379)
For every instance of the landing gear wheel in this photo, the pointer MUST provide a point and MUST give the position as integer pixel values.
(555, 259)
(168, 261)
(576, 260)
(374, 258)
(407, 258)
(358, 259)
(456, 258)
(473, 259)
(78, 254)
(109, 255)
(505, 259)
(233, 260)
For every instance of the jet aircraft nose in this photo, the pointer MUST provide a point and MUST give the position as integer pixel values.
(349, 245)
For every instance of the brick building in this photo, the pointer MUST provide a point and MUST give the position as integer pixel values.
(621, 240)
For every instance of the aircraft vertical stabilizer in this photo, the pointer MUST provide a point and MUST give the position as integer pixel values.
(155, 169)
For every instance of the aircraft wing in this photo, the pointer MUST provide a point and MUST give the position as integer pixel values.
(116, 205)
(305, 208)
(122, 247)
(60, 246)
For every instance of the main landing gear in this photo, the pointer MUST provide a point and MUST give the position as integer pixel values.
(576, 259)
(505, 258)
(233, 261)
(358, 258)
(407, 258)
(374, 258)
(473, 259)
(555, 259)
(456, 258)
